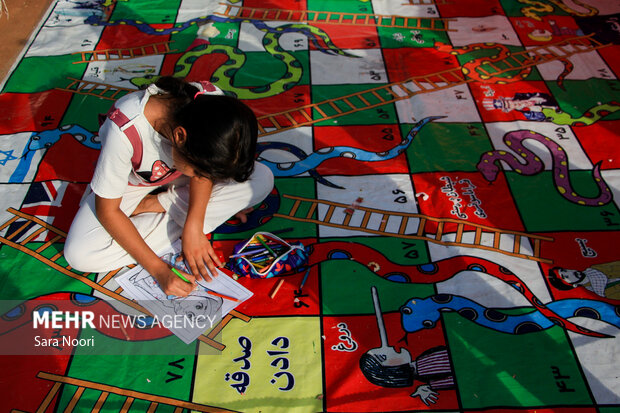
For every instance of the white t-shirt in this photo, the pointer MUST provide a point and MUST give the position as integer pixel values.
(114, 171)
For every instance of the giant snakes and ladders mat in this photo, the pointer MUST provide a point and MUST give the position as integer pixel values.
(453, 168)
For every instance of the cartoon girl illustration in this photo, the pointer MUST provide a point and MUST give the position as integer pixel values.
(386, 367)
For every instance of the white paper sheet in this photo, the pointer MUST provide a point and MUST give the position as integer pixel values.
(177, 313)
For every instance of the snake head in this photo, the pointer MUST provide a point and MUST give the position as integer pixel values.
(487, 167)
(418, 315)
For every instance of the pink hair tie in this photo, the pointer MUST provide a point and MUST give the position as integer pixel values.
(207, 87)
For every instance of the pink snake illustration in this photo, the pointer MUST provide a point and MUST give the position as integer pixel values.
(530, 164)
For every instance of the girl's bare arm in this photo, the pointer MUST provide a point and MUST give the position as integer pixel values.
(197, 249)
(120, 227)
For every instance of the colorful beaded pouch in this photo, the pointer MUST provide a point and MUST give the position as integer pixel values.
(265, 255)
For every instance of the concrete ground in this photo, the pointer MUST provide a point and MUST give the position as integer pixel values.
(18, 20)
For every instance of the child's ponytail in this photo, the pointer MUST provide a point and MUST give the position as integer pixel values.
(177, 89)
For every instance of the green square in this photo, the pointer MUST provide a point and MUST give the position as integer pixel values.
(339, 275)
(274, 73)
(23, 277)
(447, 147)
(534, 10)
(84, 110)
(299, 187)
(180, 42)
(172, 375)
(39, 74)
(397, 38)
(512, 370)
(381, 114)
(341, 6)
(146, 11)
(578, 96)
(229, 33)
(543, 209)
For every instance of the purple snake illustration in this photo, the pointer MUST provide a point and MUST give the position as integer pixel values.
(530, 164)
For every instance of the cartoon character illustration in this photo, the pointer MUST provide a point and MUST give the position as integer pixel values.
(542, 107)
(386, 367)
(544, 35)
(530, 105)
(601, 279)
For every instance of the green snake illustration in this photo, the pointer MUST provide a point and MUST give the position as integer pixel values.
(592, 115)
(224, 76)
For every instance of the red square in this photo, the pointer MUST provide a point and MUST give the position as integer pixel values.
(372, 139)
(467, 197)
(67, 160)
(33, 112)
(470, 8)
(348, 390)
(595, 140)
(125, 36)
(202, 67)
(579, 251)
(288, 300)
(348, 36)
(295, 97)
(276, 4)
(403, 64)
(611, 55)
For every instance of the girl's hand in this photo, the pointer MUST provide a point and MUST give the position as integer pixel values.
(199, 254)
(171, 283)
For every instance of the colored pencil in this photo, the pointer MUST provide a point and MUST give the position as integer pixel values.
(226, 297)
(275, 289)
(303, 281)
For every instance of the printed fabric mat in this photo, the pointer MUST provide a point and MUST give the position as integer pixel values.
(452, 168)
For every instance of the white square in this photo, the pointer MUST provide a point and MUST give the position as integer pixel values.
(455, 103)
(120, 72)
(364, 66)
(76, 39)
(584, 66)
(191, 9)
(251, 38)
(403, 8)
(559, 135)
(491, 29)
(390, 194)
(284, 161)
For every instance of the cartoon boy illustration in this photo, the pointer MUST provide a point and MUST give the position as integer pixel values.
(601, 279)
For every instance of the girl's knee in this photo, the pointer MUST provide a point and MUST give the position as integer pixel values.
(76, 254)
(262, 180)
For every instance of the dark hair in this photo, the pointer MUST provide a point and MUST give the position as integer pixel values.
(385, 376)
(221, 131)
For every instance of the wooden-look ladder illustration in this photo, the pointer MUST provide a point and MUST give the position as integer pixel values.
(123, 54)
(33, 227)
(105, 390)
(381, 95)
(335, 17)
(392, 92)
(467, 234)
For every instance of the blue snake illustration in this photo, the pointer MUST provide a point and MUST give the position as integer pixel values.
(44, 140)
(308, 163)
(418, 314)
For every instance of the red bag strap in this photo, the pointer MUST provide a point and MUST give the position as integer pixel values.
(120, 119)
